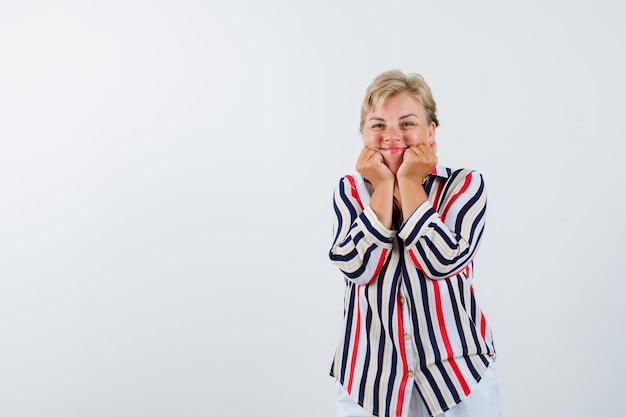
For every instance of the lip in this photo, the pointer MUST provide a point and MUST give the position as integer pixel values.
(395, 150)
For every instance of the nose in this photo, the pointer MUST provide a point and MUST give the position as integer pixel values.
(392, 134)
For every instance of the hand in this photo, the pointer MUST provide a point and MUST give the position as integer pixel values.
(370, 164)
(417, 162)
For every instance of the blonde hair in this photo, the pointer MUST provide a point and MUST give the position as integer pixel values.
(393, 82)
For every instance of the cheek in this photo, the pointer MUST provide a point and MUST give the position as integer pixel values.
(422, 136)
(370, 139)
(413, 138)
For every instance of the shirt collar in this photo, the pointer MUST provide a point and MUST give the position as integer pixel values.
(440, 171)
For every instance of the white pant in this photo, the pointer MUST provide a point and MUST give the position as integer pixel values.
(483, 401)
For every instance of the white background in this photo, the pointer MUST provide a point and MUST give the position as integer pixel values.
(166, 174)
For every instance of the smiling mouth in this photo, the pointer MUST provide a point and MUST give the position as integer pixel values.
(394, 149)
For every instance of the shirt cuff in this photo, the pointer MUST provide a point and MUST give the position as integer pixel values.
(417, 224)
(374, 229)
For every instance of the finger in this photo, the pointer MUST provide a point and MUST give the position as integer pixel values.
(375, 155)
(368, 151)
(424, 148)
(415, 151)
(366, 154)
(369, 156)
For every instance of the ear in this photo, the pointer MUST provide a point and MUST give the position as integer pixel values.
(431, 136)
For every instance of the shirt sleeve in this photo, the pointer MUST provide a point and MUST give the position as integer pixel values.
(361, 243)
(442, 242)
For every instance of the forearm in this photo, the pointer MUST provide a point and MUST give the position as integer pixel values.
(382, 202)
(412, 195)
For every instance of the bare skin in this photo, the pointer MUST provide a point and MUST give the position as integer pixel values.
(399, 152)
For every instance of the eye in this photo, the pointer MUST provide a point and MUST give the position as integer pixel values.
(408, 124)
(378, 126)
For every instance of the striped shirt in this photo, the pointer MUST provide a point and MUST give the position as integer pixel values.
(410, 315)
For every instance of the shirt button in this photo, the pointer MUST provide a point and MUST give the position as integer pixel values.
(407, 336)
(411, 374)
(402, 300)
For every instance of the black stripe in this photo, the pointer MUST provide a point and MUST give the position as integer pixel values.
(381, 342)
(339, 222)
(428, 185)
(449, 383)
(346, 338)
(435, 388)
(429, 324)
(372, 229)
(347, 204)
(443, 260)
(485, 360)
(470, 204)
(347, 197)
(473, 309)
(445, 235)
(361, 270)
(475, 329)
(392, 377)
(446, 189)
(418, 226)
(421, 355)
(457, 316)
(368, 350)
(394, 348)
(472, 369)
(376, 387)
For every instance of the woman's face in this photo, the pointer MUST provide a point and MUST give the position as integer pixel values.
(395, 124)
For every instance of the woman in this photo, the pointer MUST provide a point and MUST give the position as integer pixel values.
(414, 340)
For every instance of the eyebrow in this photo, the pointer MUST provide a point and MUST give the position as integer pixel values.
(401, 117)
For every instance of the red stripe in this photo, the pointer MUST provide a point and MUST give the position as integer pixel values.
(381, 262)
(483, 326)
(438, 194)
(483, 321)
(354, 191)
(465, 186)
(414, 259)
(405, 367)
(446, 339)
(458, 374)
(357, 332)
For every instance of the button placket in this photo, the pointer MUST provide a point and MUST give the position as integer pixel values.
(408, 337)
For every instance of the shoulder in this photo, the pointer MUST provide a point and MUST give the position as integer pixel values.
(464, 174)
(353, 181)
(460, 180)
(354, 187)
(447, 172)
